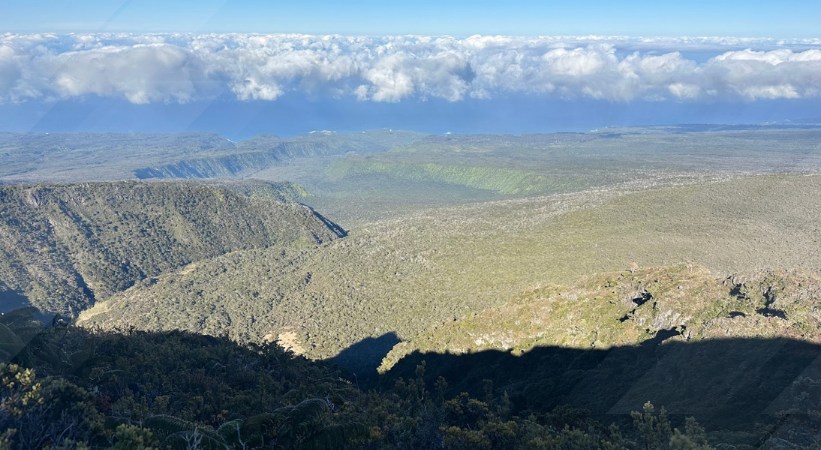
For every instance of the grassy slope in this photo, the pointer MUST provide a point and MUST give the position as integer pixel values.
(65, 245)
(440, 265)
(599, 312)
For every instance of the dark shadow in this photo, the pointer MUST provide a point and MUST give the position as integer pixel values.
(772, 312)
(730, 383)
(334, 227)
(767, 310)
(365, 356)
(10, 301)
(172, 383)
(642, 298)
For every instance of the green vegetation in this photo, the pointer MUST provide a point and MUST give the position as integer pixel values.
(283, 191)
(500, 181)
(452, 169)
(68, 388)
(65, 246)
(518, 291)
(632, 307)
(360, 177)
(417, 271)
(220, 166)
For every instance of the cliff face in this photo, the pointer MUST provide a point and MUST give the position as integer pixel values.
(265, 151)
(65, 246)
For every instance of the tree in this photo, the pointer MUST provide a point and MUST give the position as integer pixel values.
(653, 429)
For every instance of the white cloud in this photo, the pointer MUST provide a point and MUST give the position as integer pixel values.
(140, 73)
(578, 62)
(684, 90)
(9, 69)
(182, 67)
(774, 74)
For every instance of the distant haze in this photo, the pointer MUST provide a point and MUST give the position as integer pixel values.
(295, 115)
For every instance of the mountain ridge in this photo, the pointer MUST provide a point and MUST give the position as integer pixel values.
(67, 246)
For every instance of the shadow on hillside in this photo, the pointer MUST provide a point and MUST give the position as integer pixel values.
(333, 226)
(728, 383)
(11, 301)
(365, 356)
(724, 383)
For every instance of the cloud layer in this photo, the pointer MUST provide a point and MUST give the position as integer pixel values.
(180, 68)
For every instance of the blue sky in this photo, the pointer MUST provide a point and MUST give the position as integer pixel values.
(781, 19)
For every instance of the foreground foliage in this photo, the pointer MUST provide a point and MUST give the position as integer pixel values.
(69, 388)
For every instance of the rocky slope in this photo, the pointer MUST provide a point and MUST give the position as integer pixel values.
(65, 246)
(681, 303)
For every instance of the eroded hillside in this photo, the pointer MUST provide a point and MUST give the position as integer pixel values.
(65, 246)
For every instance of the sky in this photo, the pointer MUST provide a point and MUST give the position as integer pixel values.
(248, 67)
(778, 19)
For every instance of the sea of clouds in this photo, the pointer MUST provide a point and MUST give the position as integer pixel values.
(180, 68)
